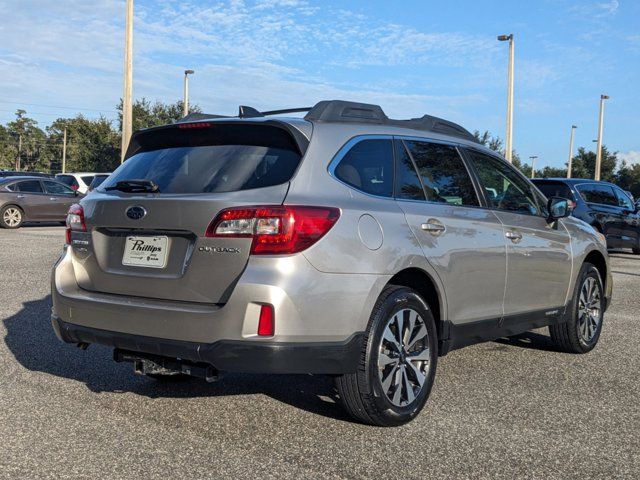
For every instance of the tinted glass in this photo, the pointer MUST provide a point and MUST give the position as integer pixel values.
(505, 189)
(554, 189)
(624, 200)
(598, 193)
(30, 186)
(87, 179)
(221, 158)
(408, 184)
(97, 181)
(67, 180)
(56, 188)
(11, 187)
(443, 173)
(368, 166)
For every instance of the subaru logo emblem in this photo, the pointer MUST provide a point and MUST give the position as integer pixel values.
(136, 212)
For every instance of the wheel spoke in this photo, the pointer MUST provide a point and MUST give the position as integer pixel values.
(400, 327)
(386, 381)
(420, 334)
(419, 376)
(397, 396)
(385, 360)
(409, 388)
(422, 356)
(391, 338)
(411, 325)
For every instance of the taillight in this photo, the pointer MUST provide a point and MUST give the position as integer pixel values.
(280, 229)
(75, 221)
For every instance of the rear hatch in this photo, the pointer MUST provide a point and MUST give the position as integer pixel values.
(152, 244)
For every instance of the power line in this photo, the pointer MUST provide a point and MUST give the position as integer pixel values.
(59, 106)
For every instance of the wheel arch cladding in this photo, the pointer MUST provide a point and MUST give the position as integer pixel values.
(421, 282)
(596, 258)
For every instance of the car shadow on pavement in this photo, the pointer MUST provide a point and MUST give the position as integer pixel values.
(531, 340)
(31, 340)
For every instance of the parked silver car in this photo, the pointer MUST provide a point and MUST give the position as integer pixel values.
(343, 243)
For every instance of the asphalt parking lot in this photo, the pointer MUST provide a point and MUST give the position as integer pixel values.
(505, 409)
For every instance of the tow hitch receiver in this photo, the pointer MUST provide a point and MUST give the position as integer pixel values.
(149, 364)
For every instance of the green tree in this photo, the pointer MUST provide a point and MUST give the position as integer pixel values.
(92, 145)
(628, 178)
(29, 139)
(147, 114)
(8, 149)
(584, 164)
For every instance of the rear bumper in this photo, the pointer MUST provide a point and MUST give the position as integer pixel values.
(230, 355)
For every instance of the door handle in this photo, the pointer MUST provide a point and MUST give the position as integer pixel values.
(515, 237)
(53, 198)
(19, 196)
(434, 227)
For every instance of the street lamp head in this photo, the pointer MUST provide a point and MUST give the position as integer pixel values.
(504, 38)
(604, 97)
(574, 126)
(189, 72)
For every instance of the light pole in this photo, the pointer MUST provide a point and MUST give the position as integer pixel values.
(509, 135)
(570, 164)
(185, 102)
(64, 151)
(599, 147)
(533, 165)
(127, 102)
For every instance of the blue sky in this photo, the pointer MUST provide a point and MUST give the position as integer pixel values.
(411, 57)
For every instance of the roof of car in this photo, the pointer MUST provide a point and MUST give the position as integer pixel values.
(341, 111)
(24, 177)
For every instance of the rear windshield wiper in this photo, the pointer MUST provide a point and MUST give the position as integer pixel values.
(135, 186)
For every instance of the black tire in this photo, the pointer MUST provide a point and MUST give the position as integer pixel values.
(570, 336)
(636, 250)
(362, 393)
(4, 221)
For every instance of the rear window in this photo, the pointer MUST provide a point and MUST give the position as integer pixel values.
(368, 167)
(554, 189)
(87, 179)
(219, 158)
(97, 181)
(67, 180)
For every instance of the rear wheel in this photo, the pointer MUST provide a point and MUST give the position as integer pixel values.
(398, 361)
(581, 331)
(11, 216)
(636, 250)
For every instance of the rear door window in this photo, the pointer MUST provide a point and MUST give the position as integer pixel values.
(598, 193)
(56, 188)
(368, 167)
(624, 200)
(443, 173)
(87, 179)
(68, 180)
(217, 158)
(30, 186)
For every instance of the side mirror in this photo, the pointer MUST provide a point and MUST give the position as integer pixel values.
(558, 207)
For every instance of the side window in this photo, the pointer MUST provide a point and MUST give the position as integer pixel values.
(12, 188)
(504, 188)
(408, 184)
(56, 188)
(623, 200)
(443, 174)
(30, 186)
(368, 167)
(598, 193)
(68, 180)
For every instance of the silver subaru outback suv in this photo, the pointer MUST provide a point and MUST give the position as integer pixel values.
(342, 243)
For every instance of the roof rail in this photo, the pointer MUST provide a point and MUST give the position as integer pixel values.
(344, 111)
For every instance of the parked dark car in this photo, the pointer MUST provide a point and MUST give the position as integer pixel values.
(97, 181)
(12, 173)
(604, 206)
(33, 199)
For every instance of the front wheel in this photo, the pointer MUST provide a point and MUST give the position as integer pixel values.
(581, 331)
(398, 362)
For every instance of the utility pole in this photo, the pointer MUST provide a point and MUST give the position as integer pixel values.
(64, 150)
(185, 102)
(600, 128)
(19, 152)
(533, 165)
(570, 163)
(509, 134)
(127, 102)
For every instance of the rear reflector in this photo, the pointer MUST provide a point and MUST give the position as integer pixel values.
(275, 230)
(266, 324)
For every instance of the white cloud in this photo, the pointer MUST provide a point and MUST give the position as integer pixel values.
(632, 157)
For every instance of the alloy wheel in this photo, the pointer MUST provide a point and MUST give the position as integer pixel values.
(404, 357)
(589, 309)
(12, 217)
